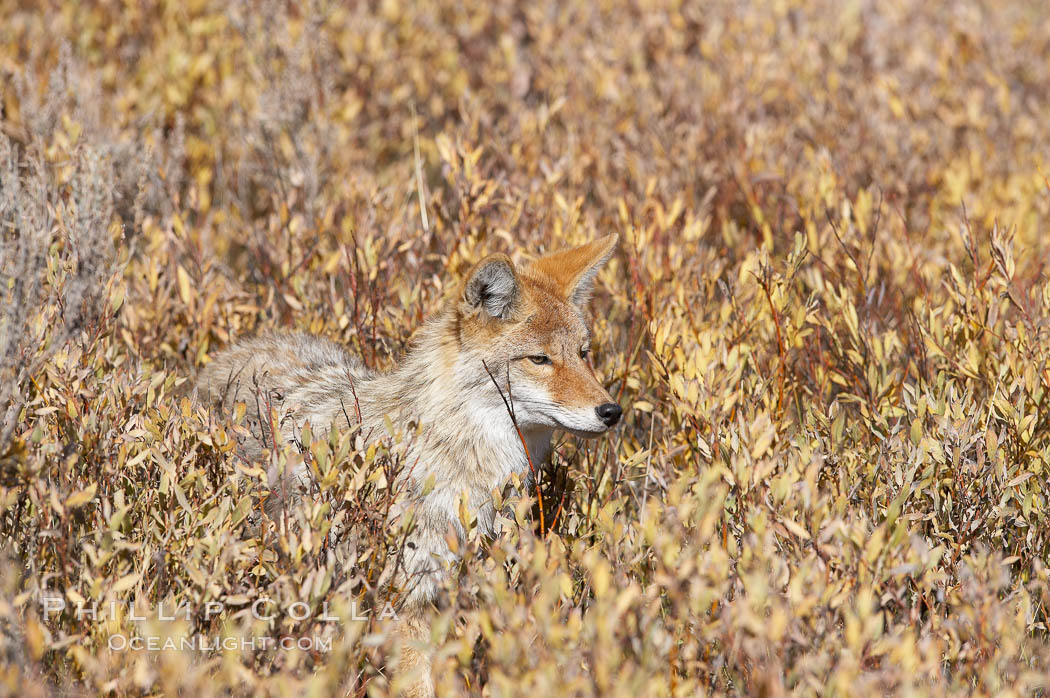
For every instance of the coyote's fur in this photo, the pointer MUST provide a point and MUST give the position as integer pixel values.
(523, 327)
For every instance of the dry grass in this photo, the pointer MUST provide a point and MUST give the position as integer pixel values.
(829, 320)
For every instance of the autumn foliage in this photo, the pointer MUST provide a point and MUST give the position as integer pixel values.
(828, 322)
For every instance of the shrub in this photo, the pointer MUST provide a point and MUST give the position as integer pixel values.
(828, 321)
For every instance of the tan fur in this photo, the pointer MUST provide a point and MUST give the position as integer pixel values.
(499, 317)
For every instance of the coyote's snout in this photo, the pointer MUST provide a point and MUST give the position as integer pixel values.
(488, 379)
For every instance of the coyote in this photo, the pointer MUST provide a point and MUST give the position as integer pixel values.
(487, 380)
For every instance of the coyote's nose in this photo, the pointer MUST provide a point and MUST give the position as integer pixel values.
(609, 413)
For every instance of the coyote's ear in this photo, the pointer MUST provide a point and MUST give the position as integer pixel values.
(574, 269)
(492, 285)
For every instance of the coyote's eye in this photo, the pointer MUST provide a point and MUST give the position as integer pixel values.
(540, 359)
(584, 352)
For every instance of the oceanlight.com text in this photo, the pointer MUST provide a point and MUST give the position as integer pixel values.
(203, 643)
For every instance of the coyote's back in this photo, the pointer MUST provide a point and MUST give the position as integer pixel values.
(285, 381)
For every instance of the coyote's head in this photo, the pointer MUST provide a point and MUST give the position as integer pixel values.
(528, 325)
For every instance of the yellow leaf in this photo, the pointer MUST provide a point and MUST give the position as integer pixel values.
(795, 528)
(126, 582)
(82, 497)
(185, 291)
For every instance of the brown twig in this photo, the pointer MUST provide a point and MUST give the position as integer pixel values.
(521, 437)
